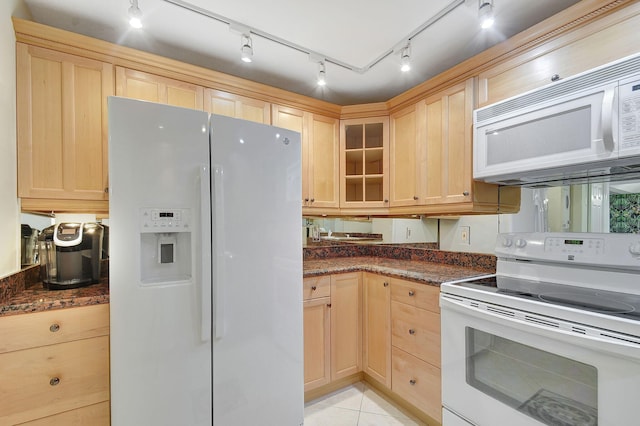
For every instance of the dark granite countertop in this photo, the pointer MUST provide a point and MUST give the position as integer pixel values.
(36, 298)
(431, 273)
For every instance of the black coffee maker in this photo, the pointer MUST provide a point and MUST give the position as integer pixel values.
(70, 255)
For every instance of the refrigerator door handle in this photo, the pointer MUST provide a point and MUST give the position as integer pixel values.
(220, 262)
(205, 259)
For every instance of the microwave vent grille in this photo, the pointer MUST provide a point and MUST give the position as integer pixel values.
(599, 76)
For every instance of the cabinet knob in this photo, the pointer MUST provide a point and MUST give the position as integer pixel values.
(386, 200)
(313, 287)
(54, 327)
(313, 199)
(415, 198)
(412, 382)
(54, 381)
(465, 193)
(555, 77)
(328, 305)
(386, 284)
(411, 292)
(306, 200)
(412, 331)
(106, 190)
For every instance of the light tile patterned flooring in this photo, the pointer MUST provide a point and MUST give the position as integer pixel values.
(356, 405)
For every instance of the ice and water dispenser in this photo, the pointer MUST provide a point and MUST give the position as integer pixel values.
(165, 246)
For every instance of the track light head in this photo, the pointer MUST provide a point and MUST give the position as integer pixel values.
(405, 58)
(246, 49)
(322, 75)
(135, 15)
(485, 13)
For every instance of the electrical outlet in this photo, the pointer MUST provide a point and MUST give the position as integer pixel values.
(464, 234)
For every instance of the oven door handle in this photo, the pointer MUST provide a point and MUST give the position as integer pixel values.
(607, 345)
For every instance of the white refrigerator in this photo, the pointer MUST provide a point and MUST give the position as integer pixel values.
(205, 269)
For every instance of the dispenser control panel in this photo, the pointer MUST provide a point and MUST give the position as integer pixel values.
(165, 220)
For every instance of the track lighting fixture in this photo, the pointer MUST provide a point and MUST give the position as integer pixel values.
(485, 13)
(135, 15)
(405, 58)
(246, 49)
(322, 74)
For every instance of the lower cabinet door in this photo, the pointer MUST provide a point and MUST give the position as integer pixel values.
(317, 340)
(52, 379)
(94, 415)
(417, 381)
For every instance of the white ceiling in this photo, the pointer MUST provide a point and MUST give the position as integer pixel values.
(356, 32)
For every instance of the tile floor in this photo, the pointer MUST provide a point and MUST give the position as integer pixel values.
(356, 405)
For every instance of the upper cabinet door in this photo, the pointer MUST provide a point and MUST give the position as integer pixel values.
(407, 158)
(154, 88)
(61, 126)
(449, 124)
(323, 166)
(364, 163)
(230, 105)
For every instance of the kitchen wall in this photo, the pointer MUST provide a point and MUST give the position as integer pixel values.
(9, 206)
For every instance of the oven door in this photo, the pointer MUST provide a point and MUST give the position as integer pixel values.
(498, 368)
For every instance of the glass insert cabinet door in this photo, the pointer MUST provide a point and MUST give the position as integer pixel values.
(547, 387)
(365, 162)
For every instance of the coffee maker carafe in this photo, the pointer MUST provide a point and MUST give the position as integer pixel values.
(70, 255)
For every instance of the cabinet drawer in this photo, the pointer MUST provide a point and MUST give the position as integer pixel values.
(417, 381)
(94, 415)
(52, 327)
(416, 331)
(52, 379)
(419, 295)
(315, 287)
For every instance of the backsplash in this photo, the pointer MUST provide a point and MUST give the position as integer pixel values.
(425, 252)
(624, 213)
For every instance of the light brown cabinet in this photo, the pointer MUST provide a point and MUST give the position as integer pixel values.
(407, 156)
(317, 331)
(55, 367)
(62, 130)
(346, 324)
(364, 163)
(154, 88)
(236, 106)
(415, 340)
(449, 184)
(320, 156)
(376, 342)
(602, 41)
(332, 328)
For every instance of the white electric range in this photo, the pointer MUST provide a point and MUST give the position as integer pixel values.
(553, 338)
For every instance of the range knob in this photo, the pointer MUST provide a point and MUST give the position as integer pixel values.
(520, 243)
(507, 242)
(634, 249)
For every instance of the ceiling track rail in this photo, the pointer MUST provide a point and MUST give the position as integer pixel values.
(313, 54)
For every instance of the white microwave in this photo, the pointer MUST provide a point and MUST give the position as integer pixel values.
(582, 127)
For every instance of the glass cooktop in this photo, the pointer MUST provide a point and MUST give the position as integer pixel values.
(599, 301)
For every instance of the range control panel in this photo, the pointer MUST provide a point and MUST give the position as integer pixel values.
(582, 246)
(165, 220)
(594, 249)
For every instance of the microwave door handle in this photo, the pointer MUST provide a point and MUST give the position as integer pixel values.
(622, 348)
(608, 115)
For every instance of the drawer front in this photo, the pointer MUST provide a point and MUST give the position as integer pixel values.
(22, 331)
(48, 380)
(417, 381)
(94, 415)
(419, 295)
(416, 331)
(315, 287)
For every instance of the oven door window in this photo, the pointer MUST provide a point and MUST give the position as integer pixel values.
(550, 388)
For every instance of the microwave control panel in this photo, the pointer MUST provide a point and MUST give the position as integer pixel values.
(629, 116)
